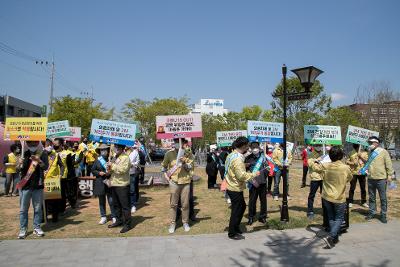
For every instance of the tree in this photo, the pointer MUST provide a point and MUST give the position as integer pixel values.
(301, 112)
(78, 111)
(145, 112)
(343, 117)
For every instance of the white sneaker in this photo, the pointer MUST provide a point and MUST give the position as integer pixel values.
(103, 220)
(365, 205)
(186, 227)
(228, 200)
(133, 209)
(38, 231)
(350, 205)
(22, 234)
(276, 198)
(114, 220)
(171, 228)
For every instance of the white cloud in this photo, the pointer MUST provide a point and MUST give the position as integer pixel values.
(337, 96)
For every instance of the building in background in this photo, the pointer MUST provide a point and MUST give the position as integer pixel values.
(14, 107)
(212, 107)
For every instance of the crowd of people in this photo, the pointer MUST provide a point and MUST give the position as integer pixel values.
(118, 170)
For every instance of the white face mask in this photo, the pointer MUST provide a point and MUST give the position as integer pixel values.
(371, 147)
(256, 151)
(32, 148)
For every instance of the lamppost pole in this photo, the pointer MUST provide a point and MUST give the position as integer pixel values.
(285, 208)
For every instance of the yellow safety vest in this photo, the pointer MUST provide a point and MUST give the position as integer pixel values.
(54, 168)
(12, 159)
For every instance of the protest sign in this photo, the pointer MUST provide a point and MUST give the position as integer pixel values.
(226, 138)
(322, 134)
(75, 135)
(262, 131)
(25, 128)
(112, 132)
(58, 129)
(357, 135)
(178, 126)
(52, 188)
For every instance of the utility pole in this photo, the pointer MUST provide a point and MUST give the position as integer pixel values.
(52, 86)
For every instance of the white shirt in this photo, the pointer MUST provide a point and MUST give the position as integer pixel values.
(135, 161)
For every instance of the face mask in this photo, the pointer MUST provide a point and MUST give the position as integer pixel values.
(256, 151)
(17, 151)
(371, 147)
(56, 147)
(32, 148)
(177, 146)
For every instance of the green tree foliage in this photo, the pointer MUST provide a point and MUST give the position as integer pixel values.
(79, 112)
(343, 117)
(145, 112)
(302, 112)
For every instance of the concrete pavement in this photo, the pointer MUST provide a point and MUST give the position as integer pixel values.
(368, 244)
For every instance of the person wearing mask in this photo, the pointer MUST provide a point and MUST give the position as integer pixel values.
(256, 162)
(134, 173)
(336, 176)
(316, 176)
(101, 190)
(236, 178)
(35, 163)
(12, 163)
(277, 157)
(71, 180)
(178, 166)
(78, 159)
(48, 145)
(55, 170)
(89, 151)
(304, 156)
(379, 170)
(212, 168)
(355, 163)
(271, 165)
(118, 169)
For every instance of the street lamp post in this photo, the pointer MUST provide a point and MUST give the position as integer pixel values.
(307, 76)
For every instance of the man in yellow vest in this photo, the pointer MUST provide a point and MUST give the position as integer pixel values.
(277, 158)
(12, 164)
(89, 151)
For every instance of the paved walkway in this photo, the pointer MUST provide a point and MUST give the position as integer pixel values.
(369, 244)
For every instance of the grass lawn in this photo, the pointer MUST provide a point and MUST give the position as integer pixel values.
(151, 218)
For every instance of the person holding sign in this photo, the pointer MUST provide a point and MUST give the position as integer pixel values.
(336, 176)
(12, 163)
(277, 157)
(356, 163)
(236, 178)
(31, 186)
(177, 167)
(101, 190)
(118, 169)
(379, 170)
(255, 162)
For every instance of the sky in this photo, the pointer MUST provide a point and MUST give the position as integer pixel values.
(227, 49)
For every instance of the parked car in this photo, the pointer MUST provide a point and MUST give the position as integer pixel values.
(157, 154)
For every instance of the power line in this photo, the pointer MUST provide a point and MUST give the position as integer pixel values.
(8, 49)
(23, 70)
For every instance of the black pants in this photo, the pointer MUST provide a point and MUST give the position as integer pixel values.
(238, 206)
(191, 204)
(314, 185)
(305, 171)
(270, 179)
(141, 176)
(121, 203)
(70, 190)
(88, 168)
(260, 192)
(222, 172)
(212, 180)
(362, 180)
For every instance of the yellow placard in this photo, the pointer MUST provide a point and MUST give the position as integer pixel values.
(52, 188)
(25, 128)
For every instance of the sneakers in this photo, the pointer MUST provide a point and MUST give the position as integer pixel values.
(114, 220)
(329, 242)
(350, 205)
(22, 234)
(228, 200)
(276, 198)
(186, 227)
(103, 220)
(171, 228)
(38, 231)
(365, 205)
(236, 237)
(310, 216)
(133, 209)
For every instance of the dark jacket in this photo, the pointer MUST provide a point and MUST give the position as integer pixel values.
(252, 160)
(212, 164)
(37, 179)
(100, 188)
